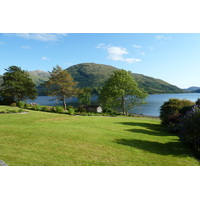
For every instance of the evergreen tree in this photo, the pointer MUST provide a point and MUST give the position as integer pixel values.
(17, 85)
(61, 85)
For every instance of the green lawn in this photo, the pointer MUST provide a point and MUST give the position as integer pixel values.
(44, 139)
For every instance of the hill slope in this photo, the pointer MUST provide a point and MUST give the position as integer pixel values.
(94, 75)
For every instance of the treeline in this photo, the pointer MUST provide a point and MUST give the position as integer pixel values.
(120, 91)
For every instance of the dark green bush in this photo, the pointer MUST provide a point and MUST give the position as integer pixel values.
(53, 109)
(198, 102)
(59, 109)
(26, 105)
(71, 111)
(37, 107)
(172, 110)
(21, 104)
(13, 104)
(190, 129)
(81, 109)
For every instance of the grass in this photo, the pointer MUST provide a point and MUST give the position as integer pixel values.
(46, 139)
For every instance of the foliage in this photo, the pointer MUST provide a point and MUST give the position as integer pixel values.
(13, 104)
(11, 111)
(26, 105)
(81, 109)
(190, 129)
(21, 104)
(198, 102)
(172, 110)
(17, 84)
(37, 107)
(71, 111)
(6, 100)
(53, 109)
(61, 85)
(121, 91)
(59, 109)
(84, 96)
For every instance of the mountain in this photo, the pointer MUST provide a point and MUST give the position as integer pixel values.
(94, 75)
(39, 76)
(197, 91)
(193, 88)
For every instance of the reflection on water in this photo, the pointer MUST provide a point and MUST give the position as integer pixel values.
(152, 107)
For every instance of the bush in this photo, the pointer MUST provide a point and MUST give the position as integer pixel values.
(59, 109)
(53, 109)
(37, 107)
(20, 110)
(71, 111)
(46, 108)
(172, 110)
(13, 104)
(198, 102)
(190, 129)
(21, 104)
(26, 105)
(81, 109)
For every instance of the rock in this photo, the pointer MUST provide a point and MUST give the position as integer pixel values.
(2, 163)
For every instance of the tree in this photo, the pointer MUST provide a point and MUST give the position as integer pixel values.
(121, 91)
(61, 85)
(17, 85)
(85, 96)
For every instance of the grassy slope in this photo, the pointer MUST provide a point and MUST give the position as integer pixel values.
(40, 138)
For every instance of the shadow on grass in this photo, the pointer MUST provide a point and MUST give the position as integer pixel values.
(170, 148)
(150, 129)
(174, 148)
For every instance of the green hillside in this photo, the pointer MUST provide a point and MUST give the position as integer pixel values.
(94, 75)
(39, 76)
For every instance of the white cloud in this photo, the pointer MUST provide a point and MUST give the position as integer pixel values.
(162, 37)
(26, 47)
(45, 37)
(45, 58)
(117, 53)
(101, 45)
(136, 46)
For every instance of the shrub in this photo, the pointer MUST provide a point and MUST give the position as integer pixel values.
(20, 110)
(21, 104)
(81, 109)
(37, 107)
(190, 129)
(59, 109)
(71, 111)
(198, 102)
(26, 105)
(13, 104)
(172, 110)
(46, 108)
(53, 109)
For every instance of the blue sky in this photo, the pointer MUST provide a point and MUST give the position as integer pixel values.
(172, 57)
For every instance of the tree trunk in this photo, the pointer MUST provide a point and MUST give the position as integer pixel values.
(123, 105)
(64, 103)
